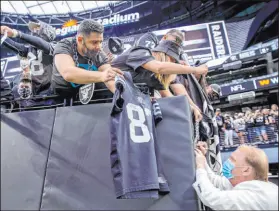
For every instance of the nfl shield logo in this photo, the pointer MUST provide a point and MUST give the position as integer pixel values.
(86, 92)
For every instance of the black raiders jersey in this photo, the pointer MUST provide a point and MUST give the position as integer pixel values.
(132, 61)
(135, 163)
(41, 67)
(148, 40)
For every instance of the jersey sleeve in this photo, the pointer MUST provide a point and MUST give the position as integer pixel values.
(63, 47)
(139, 57)
(36, 42)
(19, 48)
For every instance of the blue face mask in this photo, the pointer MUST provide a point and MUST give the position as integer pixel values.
(228, 166)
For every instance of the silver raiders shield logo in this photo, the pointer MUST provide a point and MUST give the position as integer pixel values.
(86, 92)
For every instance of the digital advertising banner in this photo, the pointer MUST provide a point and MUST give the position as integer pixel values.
(255, 52)
(204, 42)
(259, 83)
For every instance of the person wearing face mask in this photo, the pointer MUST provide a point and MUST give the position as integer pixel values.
(244, 184)
(80, 61)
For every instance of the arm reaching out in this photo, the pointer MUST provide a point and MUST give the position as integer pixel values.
(66, 67)
(32, 40)
(19, 48)
(172, 68)
(37, 42)
(68, 70)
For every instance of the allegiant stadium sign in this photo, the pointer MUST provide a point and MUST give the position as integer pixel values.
(71, 26)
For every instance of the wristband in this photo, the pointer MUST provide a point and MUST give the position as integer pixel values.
(19, 34)
(15, 33)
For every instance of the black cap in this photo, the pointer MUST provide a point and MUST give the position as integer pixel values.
(170, 48)
(115, 45)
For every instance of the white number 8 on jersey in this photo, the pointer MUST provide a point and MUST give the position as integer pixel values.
(145, 137)
(36, 66)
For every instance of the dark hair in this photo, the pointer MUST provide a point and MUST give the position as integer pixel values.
(88, 26)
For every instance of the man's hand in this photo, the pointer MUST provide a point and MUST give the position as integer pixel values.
(202, 146)
(197, 114)
(110, 73)
(202, 70)
(10, 32)
(110, 57)
(200, 159)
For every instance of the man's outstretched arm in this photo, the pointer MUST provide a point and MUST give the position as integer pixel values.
(18, 48)
(30, 39)
(68, 70)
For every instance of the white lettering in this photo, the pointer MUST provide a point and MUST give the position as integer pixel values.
(215, 27)
(105, 21)
(114, 20)
(218, 40)
(58, 31)
(237, 88)
(133, 16)
(216, 33)
(247, 54)
(64, 31)
(274, 80)
(99, 21)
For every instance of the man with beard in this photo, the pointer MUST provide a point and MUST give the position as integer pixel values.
(80, 60)
(40, 50)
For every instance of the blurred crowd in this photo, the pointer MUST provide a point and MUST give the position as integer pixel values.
(253, 126)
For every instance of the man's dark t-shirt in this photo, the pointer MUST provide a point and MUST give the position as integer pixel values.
(132, 61)
(65, 46)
